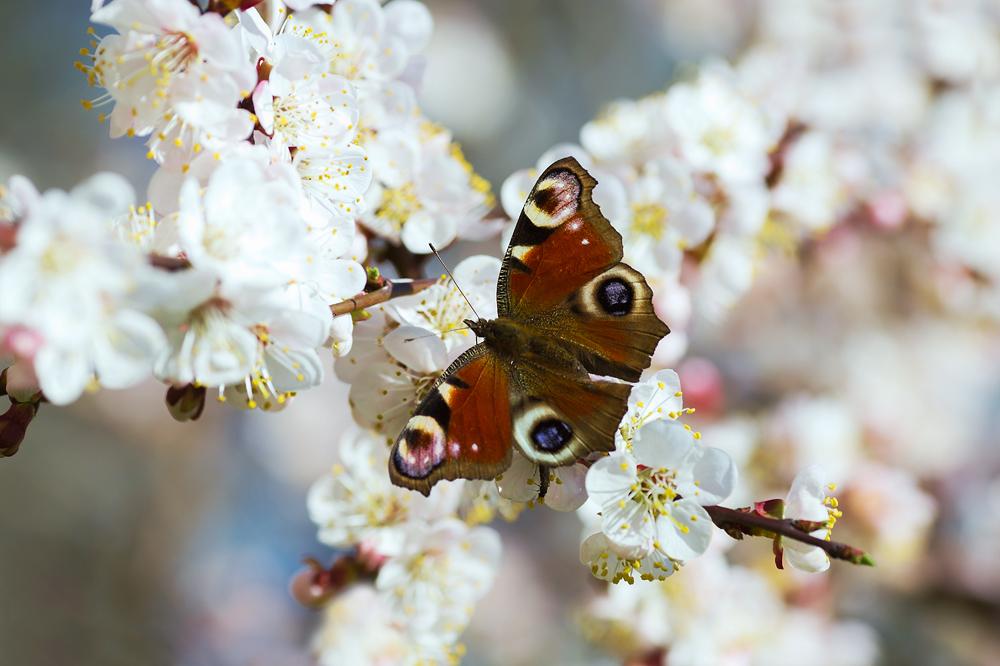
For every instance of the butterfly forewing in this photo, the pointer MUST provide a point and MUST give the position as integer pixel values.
(563, 276)
(462, 429)
(560, 242)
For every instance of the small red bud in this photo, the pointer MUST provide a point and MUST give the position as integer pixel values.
(314, 586)
(14, 425)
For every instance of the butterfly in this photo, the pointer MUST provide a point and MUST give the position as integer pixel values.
(568, 308)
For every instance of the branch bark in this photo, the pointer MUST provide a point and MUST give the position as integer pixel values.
(736, 523)
(390, 290)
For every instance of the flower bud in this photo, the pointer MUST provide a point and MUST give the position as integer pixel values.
(186, 403)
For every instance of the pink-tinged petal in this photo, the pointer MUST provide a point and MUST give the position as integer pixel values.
(519, 483)
(22, 383)
(568, 491)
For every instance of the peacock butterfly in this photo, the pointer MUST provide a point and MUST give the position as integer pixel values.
(568, 308)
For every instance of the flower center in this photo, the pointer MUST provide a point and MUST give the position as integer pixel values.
(649, 219)
(654, 488)
(61, 256)
(719, 140)
(398, 205)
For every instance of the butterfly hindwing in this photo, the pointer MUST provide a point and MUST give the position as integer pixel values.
(611, 325)
(462, 428)
(567, 418)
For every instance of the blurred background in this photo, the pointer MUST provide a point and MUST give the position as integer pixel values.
(128, 538)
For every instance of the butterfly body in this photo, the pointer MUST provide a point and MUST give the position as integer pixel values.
(568, 309)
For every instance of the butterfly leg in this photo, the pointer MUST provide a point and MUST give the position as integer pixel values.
(543, 481)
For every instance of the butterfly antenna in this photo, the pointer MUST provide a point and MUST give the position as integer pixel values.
(434, 334)
(454, 281)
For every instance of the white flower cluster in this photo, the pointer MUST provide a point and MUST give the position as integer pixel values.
(650, 492)
(73, 306)
(899, 108)
(432, 566)
(290, 148)
(274, 142)
(718, 613)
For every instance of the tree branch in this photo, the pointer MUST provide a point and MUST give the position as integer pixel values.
(737, 523)
(390, 290)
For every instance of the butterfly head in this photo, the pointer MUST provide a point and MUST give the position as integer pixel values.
(501, 334)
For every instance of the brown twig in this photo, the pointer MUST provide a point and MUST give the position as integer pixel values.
(390, 290)
(168, 263)
(736, 522)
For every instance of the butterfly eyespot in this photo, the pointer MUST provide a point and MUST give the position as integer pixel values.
(421, 448)
(551, 434)
(616, 296)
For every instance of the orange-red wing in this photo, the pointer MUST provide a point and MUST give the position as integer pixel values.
(461, 430)
(560, 242)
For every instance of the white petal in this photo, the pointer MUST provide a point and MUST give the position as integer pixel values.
(805, 558)
(417, 348)
(666, 444)
(519, 483)
(715, 477)
(685, 533)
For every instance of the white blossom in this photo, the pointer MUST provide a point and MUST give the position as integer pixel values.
(666, 216)
(357, 504)
(718, 129)
(69, 291)
(807, 500)
(442, 570)
(173, 73)
(423, 190)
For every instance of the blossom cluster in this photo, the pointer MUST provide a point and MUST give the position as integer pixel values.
(820, 206)
(283, 146)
